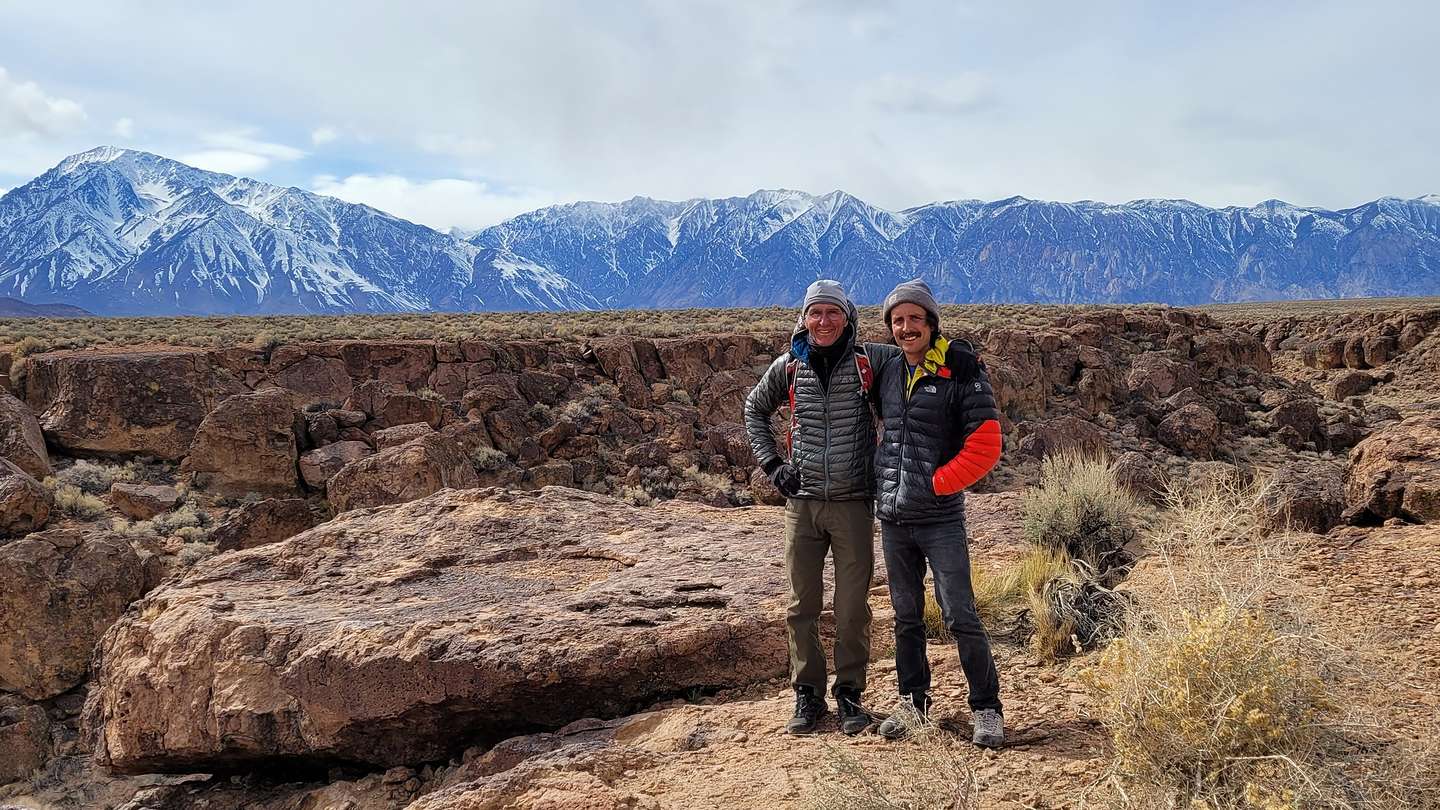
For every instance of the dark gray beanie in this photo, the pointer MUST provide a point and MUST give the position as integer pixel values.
(825, 291)
(913, 291)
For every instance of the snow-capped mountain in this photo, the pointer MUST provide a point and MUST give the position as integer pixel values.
(124, 232)
(765, 248)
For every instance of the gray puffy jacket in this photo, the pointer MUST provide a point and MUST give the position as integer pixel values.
(833, 446)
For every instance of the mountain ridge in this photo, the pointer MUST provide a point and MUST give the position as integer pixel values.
(119, 231)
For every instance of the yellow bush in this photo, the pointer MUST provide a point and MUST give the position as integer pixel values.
(1218, 707)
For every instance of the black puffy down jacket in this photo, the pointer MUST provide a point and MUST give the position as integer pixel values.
(920, 434)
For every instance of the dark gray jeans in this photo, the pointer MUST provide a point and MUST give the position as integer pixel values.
(945, 547)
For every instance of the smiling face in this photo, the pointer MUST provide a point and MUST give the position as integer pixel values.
(825, 323)
(911, 330)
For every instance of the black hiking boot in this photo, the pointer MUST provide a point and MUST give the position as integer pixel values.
(809, 708)
(853, 717)
(911, 712)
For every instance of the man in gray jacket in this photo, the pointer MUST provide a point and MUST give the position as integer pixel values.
(827, 478)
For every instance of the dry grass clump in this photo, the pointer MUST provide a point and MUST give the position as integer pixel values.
(74, 501)
(1002, 596)
(1080, 508)
(94, 477)
(488, 459)
(928, 771)
(1222, 696)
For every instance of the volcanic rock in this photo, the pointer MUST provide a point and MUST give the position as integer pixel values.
(263, 522)
(1395, 472)
(1061, 435)
(21, 442)
(397, 635)
(1193, 430)
(24, 738)
(320, 465)
(247, 444)
(24, 504)
(59, 591)
(399, 474)
(400, 434)
(1305, 495)
(143, 501)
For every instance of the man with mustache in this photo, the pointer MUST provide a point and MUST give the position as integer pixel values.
(827, 478)
(940, 434)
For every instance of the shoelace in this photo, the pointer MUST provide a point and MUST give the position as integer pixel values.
(989, 722)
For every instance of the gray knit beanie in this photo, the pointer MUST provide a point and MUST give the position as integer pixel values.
(913, 291)
(825, 291)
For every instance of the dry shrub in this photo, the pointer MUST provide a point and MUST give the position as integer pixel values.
(1081, 509)
(1222, 696)
(74, 501)
(1071, 612)
(94, 477)
(928, 771)
(488, 459)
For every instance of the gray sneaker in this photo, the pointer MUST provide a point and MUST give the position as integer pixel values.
(911, 712)
(989, 728)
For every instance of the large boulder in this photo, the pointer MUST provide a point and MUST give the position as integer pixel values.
(1155, 375)
(114, 403)
(24, 503)
(1395, 472)
(263, 522)
(723, 397)
(143, 501)
(1193, 430)
(389, 404)
(247, 444)
(400, 434)
(59, 591)
(403, 473)
(21, 442)
(24, 738)
(397, 635)
(1306, 495)
(318, 466)
(1064, 434)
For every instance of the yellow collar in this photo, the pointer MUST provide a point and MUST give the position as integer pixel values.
(933, 361)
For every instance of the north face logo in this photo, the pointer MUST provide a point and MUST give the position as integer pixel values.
(929, 389)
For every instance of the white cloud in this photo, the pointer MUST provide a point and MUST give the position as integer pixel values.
(441, 204)
(226, 161)
(242, 141)
(238, 153)
(955, 95)
(26, 110)
(124, 128)
(324, 135)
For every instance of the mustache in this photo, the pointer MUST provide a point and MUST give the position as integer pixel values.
(909, 335)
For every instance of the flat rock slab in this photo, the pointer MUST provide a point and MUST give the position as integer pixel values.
(398, 634)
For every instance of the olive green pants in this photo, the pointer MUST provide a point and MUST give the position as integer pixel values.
(846, 531)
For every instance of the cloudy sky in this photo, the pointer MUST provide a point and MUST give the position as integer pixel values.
(464, 113)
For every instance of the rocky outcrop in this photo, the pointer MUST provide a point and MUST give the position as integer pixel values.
(1067, 434)
(21, 442)
(1193, 430)
(142, 501)
(247, 444)
(59, 591)
(393, 636)
(388, 404)
(118, 403)
(24, 504)
(400, 434)
(1395, 472)
(1304, 495)
(263, 522)
(318, 466)
(24, 738)
(400, 474)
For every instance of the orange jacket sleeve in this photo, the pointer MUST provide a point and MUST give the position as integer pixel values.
(977, 457)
